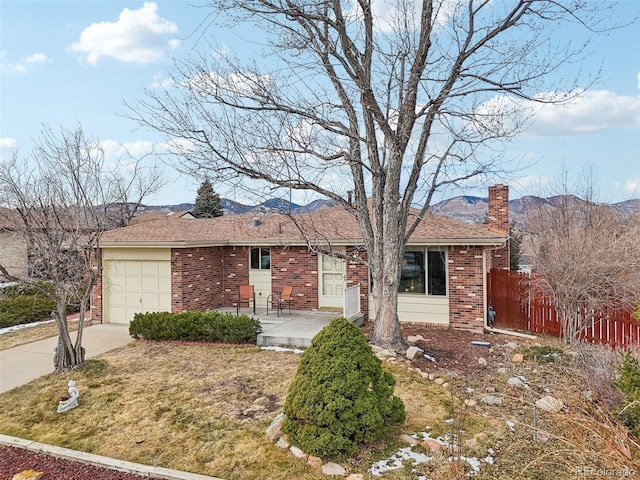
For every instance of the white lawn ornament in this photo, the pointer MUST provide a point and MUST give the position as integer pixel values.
(72, 400)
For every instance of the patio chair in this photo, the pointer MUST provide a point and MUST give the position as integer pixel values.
(279, 300)
(246, 294)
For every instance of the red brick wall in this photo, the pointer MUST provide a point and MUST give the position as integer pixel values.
(96, 291)
(358, 273)
(499, 222)
(298, 267)
(466, 292)
(196, 279)
(235, 272)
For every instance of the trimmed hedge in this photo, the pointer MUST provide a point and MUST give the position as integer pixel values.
(341, 397)
(195, 327)
(20, 304)
(20, 309)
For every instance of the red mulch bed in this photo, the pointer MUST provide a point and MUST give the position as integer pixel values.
(453, 350)
(14, 460)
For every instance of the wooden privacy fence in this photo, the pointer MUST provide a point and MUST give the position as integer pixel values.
(519, 308)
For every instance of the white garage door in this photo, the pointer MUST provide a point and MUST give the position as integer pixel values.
(136, 286)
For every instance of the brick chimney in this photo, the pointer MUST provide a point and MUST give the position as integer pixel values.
(499, 223)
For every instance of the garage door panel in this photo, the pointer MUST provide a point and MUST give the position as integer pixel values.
(136, 286)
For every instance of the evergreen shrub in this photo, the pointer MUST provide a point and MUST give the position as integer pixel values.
(195, 327)
(628, 382)
(19, 305)
(341, 397)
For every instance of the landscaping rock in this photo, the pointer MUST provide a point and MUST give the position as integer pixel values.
(431, 445)
(482, 361)
(413, 351)
(549, 404)
(333, 469)
(414, 338)
(283, 442)
(517, 358)
(471, 443)
(470, 402)
(314, 461)
(519, 382)
(408, 439)
(439, 381)
(502, 371)
(492, 400)
(274, 431)
(28, 475)
(355, 476)
(541, 437)
(297, 452)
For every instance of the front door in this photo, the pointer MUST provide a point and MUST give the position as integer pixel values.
(331, 282)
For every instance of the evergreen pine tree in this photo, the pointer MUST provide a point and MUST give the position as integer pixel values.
(208, 203)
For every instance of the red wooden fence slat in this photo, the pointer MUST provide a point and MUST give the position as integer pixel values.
(518, 308)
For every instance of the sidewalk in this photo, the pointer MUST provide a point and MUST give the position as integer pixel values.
(20, 365)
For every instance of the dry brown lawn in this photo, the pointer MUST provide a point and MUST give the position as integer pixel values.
(32, 334)
(205, 409)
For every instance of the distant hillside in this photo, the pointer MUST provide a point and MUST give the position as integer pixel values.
(232, 207)
(475, 209)
(465, 208)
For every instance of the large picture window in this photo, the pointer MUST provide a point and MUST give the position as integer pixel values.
(424, 272)
(260, 258)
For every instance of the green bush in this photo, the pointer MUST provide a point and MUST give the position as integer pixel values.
(19, 309)
(341, 397)
(636, 313)
(628, 382)
(195, 326)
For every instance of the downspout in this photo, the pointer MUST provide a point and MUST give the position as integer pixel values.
(487, 328)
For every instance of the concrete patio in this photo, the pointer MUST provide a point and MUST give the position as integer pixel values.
(294, 330)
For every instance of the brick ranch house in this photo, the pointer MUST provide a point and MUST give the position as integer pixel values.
(179, 264)
(14, 253)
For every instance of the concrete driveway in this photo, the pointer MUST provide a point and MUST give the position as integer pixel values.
(20, 365)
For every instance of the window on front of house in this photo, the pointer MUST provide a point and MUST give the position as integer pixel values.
(423, 272)
(437, 272)
(260, 258)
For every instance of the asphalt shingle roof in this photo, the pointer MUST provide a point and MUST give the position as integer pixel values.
(333, 224)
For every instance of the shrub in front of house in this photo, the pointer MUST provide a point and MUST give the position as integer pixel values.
(195, 327)
(19, 306)
(341, 397)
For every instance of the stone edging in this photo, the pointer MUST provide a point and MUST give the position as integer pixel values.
(100, 461)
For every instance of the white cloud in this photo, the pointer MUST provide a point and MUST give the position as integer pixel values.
(161, 82)
(24, 64)
(8, 143)
(638, 77)
(139, 36)
(7, 146)
(588, 112)
(632, 186)
(115, 151)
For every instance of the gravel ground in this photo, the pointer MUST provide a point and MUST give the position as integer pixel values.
(14, 460)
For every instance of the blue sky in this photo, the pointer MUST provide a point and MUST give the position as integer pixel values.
(76, 62)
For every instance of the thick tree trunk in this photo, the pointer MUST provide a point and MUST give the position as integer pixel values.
(66, 357)
(386, 332)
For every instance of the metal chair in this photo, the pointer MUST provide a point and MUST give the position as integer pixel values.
(246, 294)
(279, 300)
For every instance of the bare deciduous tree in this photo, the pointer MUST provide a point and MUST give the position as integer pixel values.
(61, 200)
(585, 257)
(390, 101)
